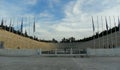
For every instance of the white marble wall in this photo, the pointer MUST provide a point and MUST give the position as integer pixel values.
(20, 52)
(103, 52)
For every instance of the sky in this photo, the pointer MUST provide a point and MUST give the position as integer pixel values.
(60, 18)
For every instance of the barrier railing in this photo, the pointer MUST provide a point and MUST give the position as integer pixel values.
(66, 51)
(39, 52)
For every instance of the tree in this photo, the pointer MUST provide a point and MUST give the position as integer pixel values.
(71, 39)
(54, 41)
(26, 35)
(63, 40)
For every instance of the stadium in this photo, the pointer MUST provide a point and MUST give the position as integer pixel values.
(15, 39)
(59, 34)
(16, 46)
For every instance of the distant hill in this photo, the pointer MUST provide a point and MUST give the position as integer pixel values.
(15, 41)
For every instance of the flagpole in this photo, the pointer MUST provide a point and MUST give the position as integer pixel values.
(17, 28)
(110, 32)
(10, 27)
(34, 27)
(13, 24)
(115, 32)
(102, 30)
(98, 31)
(10, 24)
(29, 25)
(17, 25)
(5, 23)
(93, 31)
(118, 26)
(2, 21)
(21, 26)
(107, 32)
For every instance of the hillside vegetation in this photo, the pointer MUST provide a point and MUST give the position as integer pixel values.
(15, 41)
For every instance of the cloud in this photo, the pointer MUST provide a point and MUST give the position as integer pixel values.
(52, 3)
(12, 9)
(76, 20)
(46, 14)
(30, 2)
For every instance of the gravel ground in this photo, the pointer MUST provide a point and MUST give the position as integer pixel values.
(59, 63)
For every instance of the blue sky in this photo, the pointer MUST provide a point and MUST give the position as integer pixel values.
(59, 18)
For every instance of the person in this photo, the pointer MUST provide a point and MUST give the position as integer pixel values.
(113, 46)
(18, 47)
(109, 46)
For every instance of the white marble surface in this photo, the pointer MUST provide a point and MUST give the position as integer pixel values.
(104, 52)
(19, 52)
(59, 63)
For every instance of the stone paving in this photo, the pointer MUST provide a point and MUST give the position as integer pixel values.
(59, 63)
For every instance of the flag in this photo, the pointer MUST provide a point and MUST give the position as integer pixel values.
(34, 25)
(106, 23)
(110, 21)
(5, 24)
(118, 23)
(93, 25)
(97, 24)
(2, 22)
(21, 29)
(10, 25)
(102, 22)
(114, 21)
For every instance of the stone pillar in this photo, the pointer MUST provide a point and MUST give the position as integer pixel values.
(55, 51)
(39, 52)
(71, 51)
